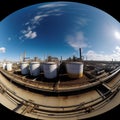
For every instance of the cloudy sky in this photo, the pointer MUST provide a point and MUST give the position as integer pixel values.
(60, 29)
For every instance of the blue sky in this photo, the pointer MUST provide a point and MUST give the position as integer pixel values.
(60, 29)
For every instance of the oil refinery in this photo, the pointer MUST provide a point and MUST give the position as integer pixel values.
(55, 90)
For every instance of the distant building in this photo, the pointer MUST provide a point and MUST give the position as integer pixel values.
(53, 59)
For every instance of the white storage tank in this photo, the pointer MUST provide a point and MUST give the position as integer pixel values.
(4, 66)
(50, 70)
(75, 69)
(9, 66)
(24, 68)
(35, 68)
(1, 65)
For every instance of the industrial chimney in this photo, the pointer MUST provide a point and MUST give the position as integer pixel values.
(80, 54)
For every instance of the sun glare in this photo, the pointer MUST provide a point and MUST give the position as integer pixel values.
(117, 35)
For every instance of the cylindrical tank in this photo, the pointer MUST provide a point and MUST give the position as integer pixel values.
(35, 68)
(9, 66)
(50, 70)
(1, 65)
(4, 66)
(75, 69)
(24, 68)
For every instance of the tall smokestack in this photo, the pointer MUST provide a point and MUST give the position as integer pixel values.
(80, 53)
(24, 56)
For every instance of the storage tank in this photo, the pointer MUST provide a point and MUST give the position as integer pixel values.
(75, 69)
(24, 68)
(1, 64)
(4, 66)
(9, 66)
(50, 70)
(35, 68)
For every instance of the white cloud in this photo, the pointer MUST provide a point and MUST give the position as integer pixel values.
(82, 21)
(27, 23)
(117, 49)
(38, 18)
(52, 5)
(76, 40)
(29, 31)
(115, 55)
(31, 35)
(26, 31)
(2, 49)
(53, 11)
(92, 55)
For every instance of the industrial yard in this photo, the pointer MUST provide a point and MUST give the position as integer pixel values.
(60, 89)
(68, 90)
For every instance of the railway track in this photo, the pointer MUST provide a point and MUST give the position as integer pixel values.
(40, 111)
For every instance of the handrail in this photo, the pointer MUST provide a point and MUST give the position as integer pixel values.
(42, 86)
